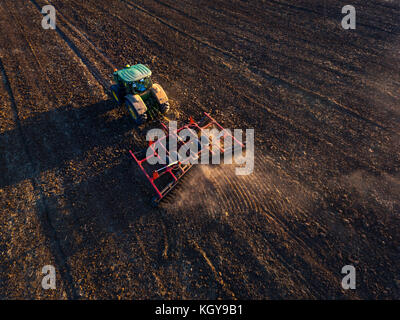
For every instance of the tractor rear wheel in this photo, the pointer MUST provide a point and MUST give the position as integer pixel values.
(116, 94)
(139, 119)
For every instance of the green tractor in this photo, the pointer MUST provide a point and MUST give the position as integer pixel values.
(144, 99)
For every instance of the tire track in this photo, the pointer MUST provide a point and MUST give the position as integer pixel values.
(318, 13)
(298, 43)
(266, 74)
(59, 255)
(84, 36)
(46, 205)
(340, 146)
(315, 95)
(233, 183)
(234, 245)
(92, 69)
(253, 43)
(225, 183)
(216, 274)
(67, 278)
(254, 194)
(169, 25)
(277, 14)
(258, 190)
(160, 285)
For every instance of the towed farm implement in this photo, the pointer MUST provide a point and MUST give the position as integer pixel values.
(164, 177)
(146, 102)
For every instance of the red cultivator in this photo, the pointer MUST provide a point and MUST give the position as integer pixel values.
(164, 177)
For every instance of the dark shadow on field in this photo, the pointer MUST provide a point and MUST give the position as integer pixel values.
(53, 140)
(58, 136)
(106, 203)
(107, 220)
(90, 208)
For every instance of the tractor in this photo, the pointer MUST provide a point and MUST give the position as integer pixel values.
(144, 99)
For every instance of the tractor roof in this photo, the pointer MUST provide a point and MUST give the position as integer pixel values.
(134, 73)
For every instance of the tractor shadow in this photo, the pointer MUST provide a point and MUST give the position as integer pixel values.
(89, 193)
(53, 139)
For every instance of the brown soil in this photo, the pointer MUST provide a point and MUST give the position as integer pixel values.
(324, 103)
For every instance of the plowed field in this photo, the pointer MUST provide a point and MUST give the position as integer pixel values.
(325, 191)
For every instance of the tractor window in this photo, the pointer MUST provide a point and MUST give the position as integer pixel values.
(142, 85)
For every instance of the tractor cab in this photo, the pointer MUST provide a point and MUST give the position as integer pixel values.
(135, 79)
(142, 86)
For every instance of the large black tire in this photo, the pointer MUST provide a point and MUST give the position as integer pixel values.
(139, 119)
(164, 108)
(116, 94)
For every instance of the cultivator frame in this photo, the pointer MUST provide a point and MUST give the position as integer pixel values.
(164, 178)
